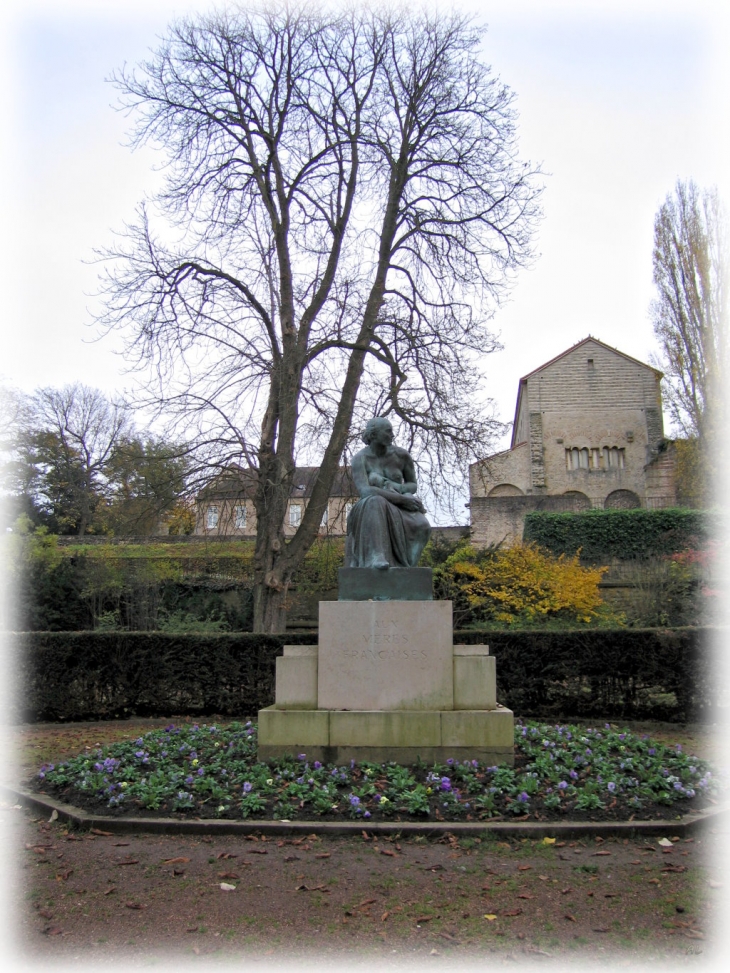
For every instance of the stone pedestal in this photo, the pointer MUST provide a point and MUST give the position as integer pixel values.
(385, 655)
(386, 683)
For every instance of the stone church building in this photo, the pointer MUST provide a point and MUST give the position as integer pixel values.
(588, 432)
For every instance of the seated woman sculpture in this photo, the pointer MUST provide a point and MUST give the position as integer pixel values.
(386, 528)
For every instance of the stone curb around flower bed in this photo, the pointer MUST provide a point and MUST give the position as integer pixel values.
(682, 827)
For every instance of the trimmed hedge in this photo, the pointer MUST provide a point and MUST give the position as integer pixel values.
(639, 674)
(600, 673)
(625, 534)
(110, 675)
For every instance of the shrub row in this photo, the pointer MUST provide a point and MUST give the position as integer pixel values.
(626, 534)
(601, 673)
(640, 674)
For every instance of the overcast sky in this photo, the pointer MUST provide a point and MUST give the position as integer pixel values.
(616, 102)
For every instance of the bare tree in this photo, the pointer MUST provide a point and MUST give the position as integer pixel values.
(691, 273)
(69, 439)
(344, 207)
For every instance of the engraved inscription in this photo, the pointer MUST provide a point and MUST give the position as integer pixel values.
(415, 655)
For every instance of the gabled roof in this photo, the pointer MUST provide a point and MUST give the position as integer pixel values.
(597, 341)
(239, 483)
(583, 342)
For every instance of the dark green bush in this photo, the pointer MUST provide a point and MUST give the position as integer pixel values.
(605, 673)
(597, 674)
(626, 534)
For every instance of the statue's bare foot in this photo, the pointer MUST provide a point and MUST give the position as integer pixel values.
(381, 565)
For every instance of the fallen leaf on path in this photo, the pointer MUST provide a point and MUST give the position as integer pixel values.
(654, 881)
(63, 876)
(384, 916)
(292, 858)
(421, 919)
(365, 902)
(54, 815)
(674, 868)
(225, 887)
(447, 935)
(121, 844)
(387, 851)
(525, 895)
(46, 914)
(595, 853)
(254, 851)
(135, 905)
(311, 888)
(524, 868)
(227, 854)
(109, 891)
(53, 931)
(324, 854)
(490, 916)
(664, 842)
(565, 891)
(569, 917)
(512, 912)
(104, 834)
(175, 861)
(131, 861)
(548, 841)
(600, 929)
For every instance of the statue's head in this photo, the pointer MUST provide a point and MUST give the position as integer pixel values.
(374, 425)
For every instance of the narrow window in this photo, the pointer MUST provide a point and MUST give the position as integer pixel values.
(348, 507)
(325, 517)
(211, 521)
(240, 514)
(595, 459)
(584, 459)
(295, 514)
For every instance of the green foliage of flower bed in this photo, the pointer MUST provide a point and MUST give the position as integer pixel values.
(212, 772)
(602, 534)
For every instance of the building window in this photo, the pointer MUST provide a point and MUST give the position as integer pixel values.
(325, 517)
(348, 507)
(577, 459)
(211, 518)
(613, 458)
(240, 517)
(607, 458)
(295, 514)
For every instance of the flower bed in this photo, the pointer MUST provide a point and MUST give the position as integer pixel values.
(211, 771)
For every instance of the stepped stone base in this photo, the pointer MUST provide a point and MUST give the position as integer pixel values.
(386, 683)
(338, 736)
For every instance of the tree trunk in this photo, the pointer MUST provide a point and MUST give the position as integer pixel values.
(269, 609)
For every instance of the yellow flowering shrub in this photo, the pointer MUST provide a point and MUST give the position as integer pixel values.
(520, 584)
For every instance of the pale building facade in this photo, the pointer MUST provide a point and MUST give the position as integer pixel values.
(225, 507)
(588, 432)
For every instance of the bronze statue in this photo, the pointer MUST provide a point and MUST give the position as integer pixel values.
(386, 528)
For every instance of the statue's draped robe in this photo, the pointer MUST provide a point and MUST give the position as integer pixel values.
(378, 531)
